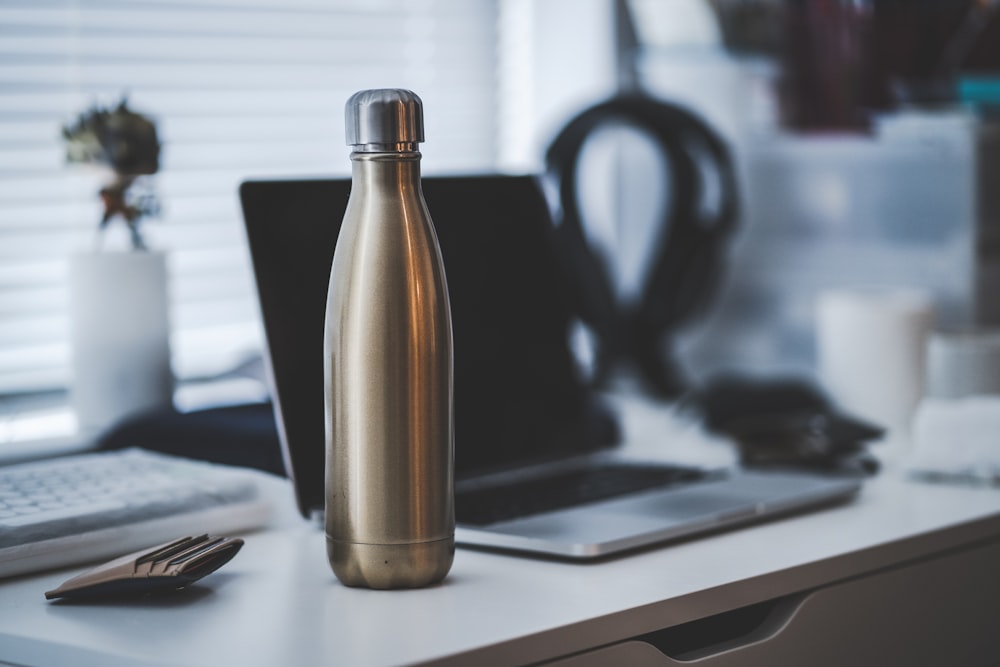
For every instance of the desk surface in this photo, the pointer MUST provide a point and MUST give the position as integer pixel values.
(278, 603)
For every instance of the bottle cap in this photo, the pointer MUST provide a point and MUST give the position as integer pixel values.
(384, 120)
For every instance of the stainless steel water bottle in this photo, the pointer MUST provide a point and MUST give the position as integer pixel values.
(390, 518)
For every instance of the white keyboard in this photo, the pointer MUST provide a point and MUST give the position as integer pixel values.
(75, 509)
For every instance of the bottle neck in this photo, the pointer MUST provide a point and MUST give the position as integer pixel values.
(386, 171)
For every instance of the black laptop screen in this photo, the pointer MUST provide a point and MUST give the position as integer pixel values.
(517, 394)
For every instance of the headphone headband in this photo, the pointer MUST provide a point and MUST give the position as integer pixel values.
(688, 260)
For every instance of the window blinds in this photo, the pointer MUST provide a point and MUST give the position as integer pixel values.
(239, 89)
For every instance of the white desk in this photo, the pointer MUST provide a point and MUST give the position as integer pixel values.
(907, 574)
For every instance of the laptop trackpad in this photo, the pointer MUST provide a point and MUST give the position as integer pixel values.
(697, 506)
(582, 526)
(701, 500)
(694, 507)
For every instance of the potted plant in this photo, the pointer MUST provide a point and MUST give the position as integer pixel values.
(125, 144)
(120, 330)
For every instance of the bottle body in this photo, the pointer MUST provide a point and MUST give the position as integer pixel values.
(389, 398)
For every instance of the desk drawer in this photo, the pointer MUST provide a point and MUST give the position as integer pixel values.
(941, 611)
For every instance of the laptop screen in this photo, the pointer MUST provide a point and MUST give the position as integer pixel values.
(517, 393)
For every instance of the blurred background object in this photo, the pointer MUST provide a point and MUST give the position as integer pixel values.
(863, 160)
(687, 244)
(119, 302)
(842, 61)
(861, 134)
(963, 363)
(863, 137)
(871, 347)
(785, 423)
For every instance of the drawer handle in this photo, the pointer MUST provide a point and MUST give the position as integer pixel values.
(723, 632)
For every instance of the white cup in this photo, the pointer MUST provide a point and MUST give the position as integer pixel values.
(871, 345)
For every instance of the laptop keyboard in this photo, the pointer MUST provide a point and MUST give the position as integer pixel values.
(484, 506)
(66, 510)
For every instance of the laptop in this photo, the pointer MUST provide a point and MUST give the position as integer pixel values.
(538, 466)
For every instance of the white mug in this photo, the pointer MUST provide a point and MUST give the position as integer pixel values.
(871, 346)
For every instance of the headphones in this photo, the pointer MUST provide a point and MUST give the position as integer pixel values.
(688, 262)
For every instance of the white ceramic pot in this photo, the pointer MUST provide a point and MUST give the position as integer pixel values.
(119, 314)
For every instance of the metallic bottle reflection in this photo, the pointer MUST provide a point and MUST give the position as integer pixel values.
(388, 355)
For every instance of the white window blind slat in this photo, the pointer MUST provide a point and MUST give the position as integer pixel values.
(239, 89)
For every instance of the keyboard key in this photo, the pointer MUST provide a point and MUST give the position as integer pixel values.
(40, 516)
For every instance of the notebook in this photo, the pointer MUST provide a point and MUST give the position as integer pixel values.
(528, 431)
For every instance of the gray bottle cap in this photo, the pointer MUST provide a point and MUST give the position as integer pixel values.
(384, 120)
